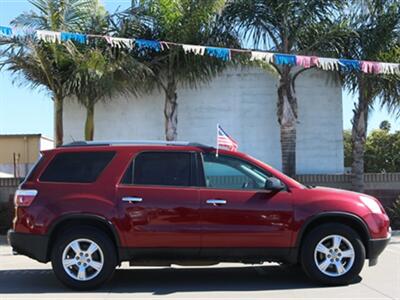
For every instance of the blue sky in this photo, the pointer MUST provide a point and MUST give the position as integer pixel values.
(23, 110)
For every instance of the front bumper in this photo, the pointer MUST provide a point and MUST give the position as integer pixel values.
(375, 248)
(32, 245)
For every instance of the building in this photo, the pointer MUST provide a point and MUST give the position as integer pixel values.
(18, 152)
(243, 101)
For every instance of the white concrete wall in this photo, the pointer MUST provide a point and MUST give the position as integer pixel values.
(46, 143)
(243, 101)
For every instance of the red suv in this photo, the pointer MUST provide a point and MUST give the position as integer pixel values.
(88, 206)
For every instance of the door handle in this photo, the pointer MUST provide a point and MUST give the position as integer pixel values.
(216, 201)
(132, 199)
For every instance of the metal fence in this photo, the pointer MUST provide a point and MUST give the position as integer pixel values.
(385, 186)
(373, 181)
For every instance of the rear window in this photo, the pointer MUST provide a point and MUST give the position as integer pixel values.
(79, 167)
(160, 168)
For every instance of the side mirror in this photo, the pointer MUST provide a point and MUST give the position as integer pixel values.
(274, 184)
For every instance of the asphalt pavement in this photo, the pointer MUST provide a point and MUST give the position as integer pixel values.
(23, 278)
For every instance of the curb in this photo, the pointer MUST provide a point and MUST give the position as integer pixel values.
(395, 232)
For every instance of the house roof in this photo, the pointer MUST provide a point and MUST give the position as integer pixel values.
(16, 135)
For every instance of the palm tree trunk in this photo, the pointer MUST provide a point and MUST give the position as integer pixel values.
(171, 111)
(358, 137)
(58, 120)
(89, 124)
(287, 117)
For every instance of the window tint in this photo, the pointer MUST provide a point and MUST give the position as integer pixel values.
(82, 167)
(230, 173)
(31, 174)
(161, 168)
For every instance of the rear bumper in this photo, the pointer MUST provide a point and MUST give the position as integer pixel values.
(375, 248)
(32, 245)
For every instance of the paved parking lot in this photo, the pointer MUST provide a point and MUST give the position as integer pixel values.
(22, 278)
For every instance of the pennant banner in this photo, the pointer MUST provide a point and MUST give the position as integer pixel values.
(198, 50)
(148, 44)
(49, 36)
(119, 42)
(328, 64)
(77, 37)
(371, 67)
(225, 54)
(306, 61)
(6, 31)
(221, 53)
(350, 65)
(285, 59)
(262, 56)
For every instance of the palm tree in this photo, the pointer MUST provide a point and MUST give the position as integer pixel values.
(40, 64)
(99, 74)
(181, 21)
(99, 71)
(289, 27)
(377, 24)
(54, 15)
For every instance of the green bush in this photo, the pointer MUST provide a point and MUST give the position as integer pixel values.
(382, 151)
(6, 215)
(394, 214)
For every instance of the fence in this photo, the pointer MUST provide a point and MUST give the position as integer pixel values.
(8, 187)
(373, 181)
(385, 187)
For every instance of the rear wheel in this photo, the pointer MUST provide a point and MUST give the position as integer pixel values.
(333, 254)
(83, 258)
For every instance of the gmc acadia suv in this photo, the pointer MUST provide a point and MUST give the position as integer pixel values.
(88, 206)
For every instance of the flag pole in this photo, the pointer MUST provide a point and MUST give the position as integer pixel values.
(216, 153)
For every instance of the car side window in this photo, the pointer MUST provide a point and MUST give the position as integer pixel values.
(77, 167)
(224, 172)
(160, 168)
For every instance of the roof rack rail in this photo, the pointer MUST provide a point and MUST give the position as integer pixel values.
(133, 142)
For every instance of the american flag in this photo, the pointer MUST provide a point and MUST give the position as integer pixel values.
(225, 141)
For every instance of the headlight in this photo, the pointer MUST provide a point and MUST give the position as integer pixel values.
(372, 204)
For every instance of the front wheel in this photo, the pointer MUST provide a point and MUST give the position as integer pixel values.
(333, 254)
(83, 258)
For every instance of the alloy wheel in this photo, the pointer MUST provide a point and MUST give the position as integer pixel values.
(82, 259)
(334, 255)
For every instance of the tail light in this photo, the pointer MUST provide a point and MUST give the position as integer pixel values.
(24, 198)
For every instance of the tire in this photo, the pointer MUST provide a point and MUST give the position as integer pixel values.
(98, 267)
(332, 268)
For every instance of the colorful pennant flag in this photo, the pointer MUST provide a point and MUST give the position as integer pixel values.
(262, 56)
(285, 59)
(350, 65)
(306, 61)
(77, 37)
(4, 30)
(148, 44)
(388, 68)
(371, 67)
(221, 53)
(197, 50)
(119, 42)
(48, 36)
(327, 64)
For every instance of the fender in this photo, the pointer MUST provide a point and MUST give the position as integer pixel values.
(322, 215)
(84, 216)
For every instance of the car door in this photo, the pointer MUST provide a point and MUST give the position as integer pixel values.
(160, 202)
(236, 209)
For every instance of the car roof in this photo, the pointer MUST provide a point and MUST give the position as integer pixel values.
(79, 144)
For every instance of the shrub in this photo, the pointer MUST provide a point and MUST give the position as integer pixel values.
(394, 214)
(6, 215)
